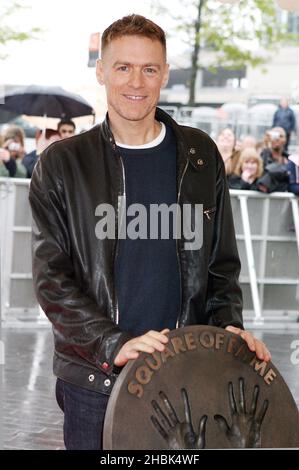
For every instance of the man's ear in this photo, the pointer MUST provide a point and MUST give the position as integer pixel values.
(165, 76)
(100, 71)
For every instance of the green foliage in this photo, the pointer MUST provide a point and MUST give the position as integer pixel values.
(9, 33)
(242, 34)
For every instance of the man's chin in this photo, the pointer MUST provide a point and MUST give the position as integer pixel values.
(134, 115)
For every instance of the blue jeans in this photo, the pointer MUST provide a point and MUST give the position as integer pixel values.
(84, 413)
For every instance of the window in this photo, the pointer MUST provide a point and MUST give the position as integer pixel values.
(223, 78)
(293, 23)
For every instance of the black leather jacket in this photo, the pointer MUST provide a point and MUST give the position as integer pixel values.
(73, 269)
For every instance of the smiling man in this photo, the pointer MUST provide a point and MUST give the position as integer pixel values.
(111, 298)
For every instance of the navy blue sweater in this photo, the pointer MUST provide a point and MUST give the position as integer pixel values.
(146, 271)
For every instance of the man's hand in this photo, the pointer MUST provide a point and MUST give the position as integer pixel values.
(149, 342)
(248, 175)
(253, 343)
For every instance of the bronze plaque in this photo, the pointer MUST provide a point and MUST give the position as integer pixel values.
(206, 390)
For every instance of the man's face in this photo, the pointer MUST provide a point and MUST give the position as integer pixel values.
(278, 138)
(133, 70)
(66, 130)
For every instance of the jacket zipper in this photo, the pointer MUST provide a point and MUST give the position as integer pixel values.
(207, 212)
(117, 243)
(116, 248)
(177, 248)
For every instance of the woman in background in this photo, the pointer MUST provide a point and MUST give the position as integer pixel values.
(248, 170)
(226, 143)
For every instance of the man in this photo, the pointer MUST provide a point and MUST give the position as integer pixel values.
(284, 117)
(110, 299)
(43, 138)
(275, 158)
(66, 128)
(275, 149)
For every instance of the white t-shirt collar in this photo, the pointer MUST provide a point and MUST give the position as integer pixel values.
(151, 144)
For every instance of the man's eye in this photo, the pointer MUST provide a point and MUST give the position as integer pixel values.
(150, 70)
(123, 68)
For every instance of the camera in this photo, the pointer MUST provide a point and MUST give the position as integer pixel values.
(275, 135)
(14, 147)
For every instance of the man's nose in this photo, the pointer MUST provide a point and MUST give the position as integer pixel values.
(136, 79)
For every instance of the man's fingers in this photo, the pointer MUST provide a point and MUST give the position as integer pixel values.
(249, 340)
(253, 343)
(262, 351)
(244, 334)
(161, 337)
(144, 346)
(123, 357)
(152, 342)
(149, 343)
(259, 348)
(165, 331)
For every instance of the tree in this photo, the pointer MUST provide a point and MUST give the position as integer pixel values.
(239, 35)
(7, 32)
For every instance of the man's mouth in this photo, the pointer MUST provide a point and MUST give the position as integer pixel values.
(135, 97)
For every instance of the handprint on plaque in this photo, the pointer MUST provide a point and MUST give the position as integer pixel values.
(245, 429)
(178, 435)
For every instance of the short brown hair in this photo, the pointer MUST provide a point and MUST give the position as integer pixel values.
(133, 25)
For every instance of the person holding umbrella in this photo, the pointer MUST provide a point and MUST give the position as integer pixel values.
(110, 297)
(43, 139)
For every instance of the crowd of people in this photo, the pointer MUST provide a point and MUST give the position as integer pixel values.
(264, 166)
(14, 161)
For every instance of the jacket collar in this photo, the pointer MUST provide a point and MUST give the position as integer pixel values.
(187, 149)
(160, 115)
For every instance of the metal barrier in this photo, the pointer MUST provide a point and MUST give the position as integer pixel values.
(207, 119)
(18, 301)
(267, 230)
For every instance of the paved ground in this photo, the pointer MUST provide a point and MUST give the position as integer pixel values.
(32, 420)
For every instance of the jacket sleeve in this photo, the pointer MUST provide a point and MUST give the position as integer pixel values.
(79, 326)
(275, 118)
(224, 301)
(11, 167)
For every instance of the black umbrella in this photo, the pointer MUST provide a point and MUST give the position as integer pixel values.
(54, 102)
